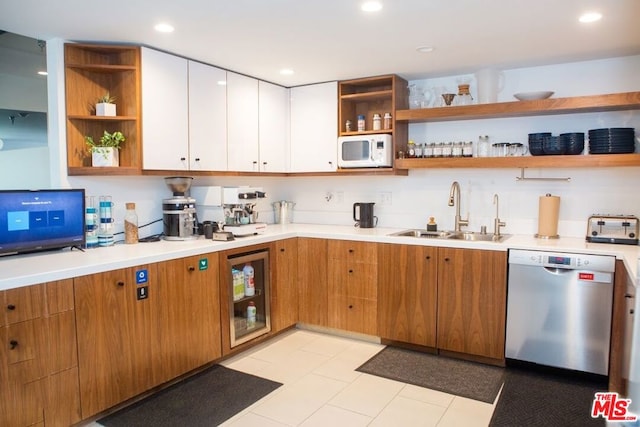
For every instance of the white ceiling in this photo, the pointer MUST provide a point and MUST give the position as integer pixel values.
(334, 40)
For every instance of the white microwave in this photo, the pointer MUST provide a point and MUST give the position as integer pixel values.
(365, 151)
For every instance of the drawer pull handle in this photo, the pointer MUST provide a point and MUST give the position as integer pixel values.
(121, 284)
(11, 307)
(428, 257)
(281, 249)
(350, 251)
(191, 268)
(13, 344)
(447, 259)
(350, 306)
(350, 271)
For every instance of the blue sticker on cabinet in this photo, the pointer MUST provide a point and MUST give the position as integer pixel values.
(142, 276)
(203, 264)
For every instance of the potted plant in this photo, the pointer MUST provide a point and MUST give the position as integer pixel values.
(106, 152)
(105, 105)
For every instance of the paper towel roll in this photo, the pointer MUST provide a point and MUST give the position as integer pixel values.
(548, 212)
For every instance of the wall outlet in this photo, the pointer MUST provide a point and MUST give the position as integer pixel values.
(384, 198)
(339, 197)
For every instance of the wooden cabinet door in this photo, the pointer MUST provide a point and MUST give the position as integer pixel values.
(207, 117)
(165, 111)
(242, 123)
(187, 320)
(472, 293)
(284, 286)
(22, 304)
(407, 293)
(312, 283)
(116, 345)
(273, 111)
(314, 129)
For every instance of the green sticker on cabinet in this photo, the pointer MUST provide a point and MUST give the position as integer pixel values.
(204, 264)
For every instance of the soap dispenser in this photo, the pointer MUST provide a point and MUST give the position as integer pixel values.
(431, 225)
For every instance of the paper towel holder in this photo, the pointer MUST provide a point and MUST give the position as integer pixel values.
(524, 178)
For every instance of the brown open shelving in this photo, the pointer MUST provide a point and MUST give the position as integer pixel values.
(90, 72)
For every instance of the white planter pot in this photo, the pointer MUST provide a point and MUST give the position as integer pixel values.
(105, 109)
(105, 157)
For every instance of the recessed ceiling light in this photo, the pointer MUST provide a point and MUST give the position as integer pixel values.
(590, 17)
(286, 71)
(425, 49)
(222, 82)
(43, 73)
(371, 6)
(164, 28)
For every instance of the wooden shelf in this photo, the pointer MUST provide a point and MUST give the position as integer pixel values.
(89, 170)
(378, 95)
(581, 161)
(578, 104)
(368, 132)
(99, 68)
(102, 118)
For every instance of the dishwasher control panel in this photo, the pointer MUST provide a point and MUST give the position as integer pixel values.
(562, 260)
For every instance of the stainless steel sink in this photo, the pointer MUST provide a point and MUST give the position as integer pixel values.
(478, 237)
(424, 234)
(471, 236)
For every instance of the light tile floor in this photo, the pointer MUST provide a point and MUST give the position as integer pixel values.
(322, 388)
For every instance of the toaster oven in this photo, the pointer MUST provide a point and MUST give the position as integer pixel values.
(621, 229)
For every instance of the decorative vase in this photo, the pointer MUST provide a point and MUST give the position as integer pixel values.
(105, 109)
(105, 157)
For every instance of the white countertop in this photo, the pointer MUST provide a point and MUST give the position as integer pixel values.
(30, 269)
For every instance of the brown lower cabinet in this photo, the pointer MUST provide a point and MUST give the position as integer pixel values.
(407, 293)
(134, 336)
(312, 281)
(472, 295)
(38, 357)
(284, 284)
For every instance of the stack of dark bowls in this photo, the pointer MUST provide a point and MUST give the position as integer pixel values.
(612, 141)
(543, 143)
(535, 143)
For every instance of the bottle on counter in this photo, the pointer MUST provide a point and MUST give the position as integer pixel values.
(130, 224)
(431, 225)
(249, 284)
(251, 315)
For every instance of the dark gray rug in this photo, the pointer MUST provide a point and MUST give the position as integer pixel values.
(205, 399)
(535, 399)
(458, 377)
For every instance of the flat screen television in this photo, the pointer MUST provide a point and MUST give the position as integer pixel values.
(39, 220)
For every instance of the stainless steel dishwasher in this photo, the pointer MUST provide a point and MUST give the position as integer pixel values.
(559, 309)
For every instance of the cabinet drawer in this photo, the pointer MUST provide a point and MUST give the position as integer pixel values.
(25, 350)
(354, 279)
(353, 315)
(353, 251)
(22, 304)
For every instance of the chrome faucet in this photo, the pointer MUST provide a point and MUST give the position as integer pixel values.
(455, 192)
(496, 222)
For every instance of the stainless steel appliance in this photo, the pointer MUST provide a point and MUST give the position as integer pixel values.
(365, 217)
(179, 212)
(623, 229)
(559, 309)
(240, 215)
(365, 151)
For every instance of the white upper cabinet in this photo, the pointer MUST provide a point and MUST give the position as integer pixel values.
(165, 111)
(314, 128)
(207, 118)
(242, 123)
(274, 128)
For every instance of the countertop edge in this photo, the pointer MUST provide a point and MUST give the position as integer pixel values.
(30, 269)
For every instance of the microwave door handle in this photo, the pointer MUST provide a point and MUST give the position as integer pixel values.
(371, 145)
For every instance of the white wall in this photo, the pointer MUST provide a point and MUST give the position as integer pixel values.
(424, 192)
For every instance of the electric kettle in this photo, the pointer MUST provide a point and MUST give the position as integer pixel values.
(365, 217)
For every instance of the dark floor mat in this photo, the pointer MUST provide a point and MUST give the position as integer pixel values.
(206, 399)
(458, 377)
(535, 399)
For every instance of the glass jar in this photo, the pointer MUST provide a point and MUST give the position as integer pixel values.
(411, 149)
(361, 124)
(387, 121)
(377, 122)
(419, 150)
(447, 149)
(130, 224)
(456, 150)
(467, 149)
(484, 147)
(428, 149)
(437, 149)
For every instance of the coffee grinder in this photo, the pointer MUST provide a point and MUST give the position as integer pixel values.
(179, 212)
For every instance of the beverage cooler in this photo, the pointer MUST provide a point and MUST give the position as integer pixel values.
(248, 287)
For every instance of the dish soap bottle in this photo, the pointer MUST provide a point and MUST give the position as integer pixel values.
(431, 225)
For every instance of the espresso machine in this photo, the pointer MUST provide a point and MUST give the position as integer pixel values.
(179, 212)
(240, 215)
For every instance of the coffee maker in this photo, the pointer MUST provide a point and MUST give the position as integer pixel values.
(179, 212)
(240, 215)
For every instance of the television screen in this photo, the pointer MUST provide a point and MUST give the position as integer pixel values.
(37, 220)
